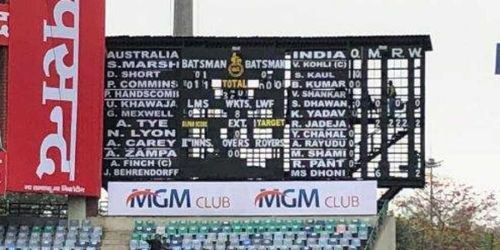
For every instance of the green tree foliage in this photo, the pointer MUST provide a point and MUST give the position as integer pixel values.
(462, 218)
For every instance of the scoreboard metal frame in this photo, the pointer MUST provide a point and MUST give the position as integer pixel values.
(388, 131)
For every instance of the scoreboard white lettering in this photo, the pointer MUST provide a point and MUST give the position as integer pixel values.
(231, 113)
(321, 137)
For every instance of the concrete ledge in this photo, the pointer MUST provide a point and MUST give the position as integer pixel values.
(126, 223)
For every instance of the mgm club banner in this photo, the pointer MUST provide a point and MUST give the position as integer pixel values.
(242, 198)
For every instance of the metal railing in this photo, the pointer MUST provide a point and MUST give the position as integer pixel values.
(48, 210)
(379, 223)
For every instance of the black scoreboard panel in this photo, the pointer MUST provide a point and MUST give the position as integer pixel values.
(265, 109)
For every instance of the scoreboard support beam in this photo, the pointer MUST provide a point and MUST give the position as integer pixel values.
(366, 105)
(388, 195)
(410, 114)
(384, 114)
(422, 118)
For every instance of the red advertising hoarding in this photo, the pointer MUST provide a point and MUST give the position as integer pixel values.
(55, 96)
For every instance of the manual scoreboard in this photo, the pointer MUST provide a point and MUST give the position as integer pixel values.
(257, 108)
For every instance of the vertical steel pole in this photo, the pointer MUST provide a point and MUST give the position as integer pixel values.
(183, 17)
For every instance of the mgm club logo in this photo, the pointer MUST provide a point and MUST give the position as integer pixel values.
(236, 67)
